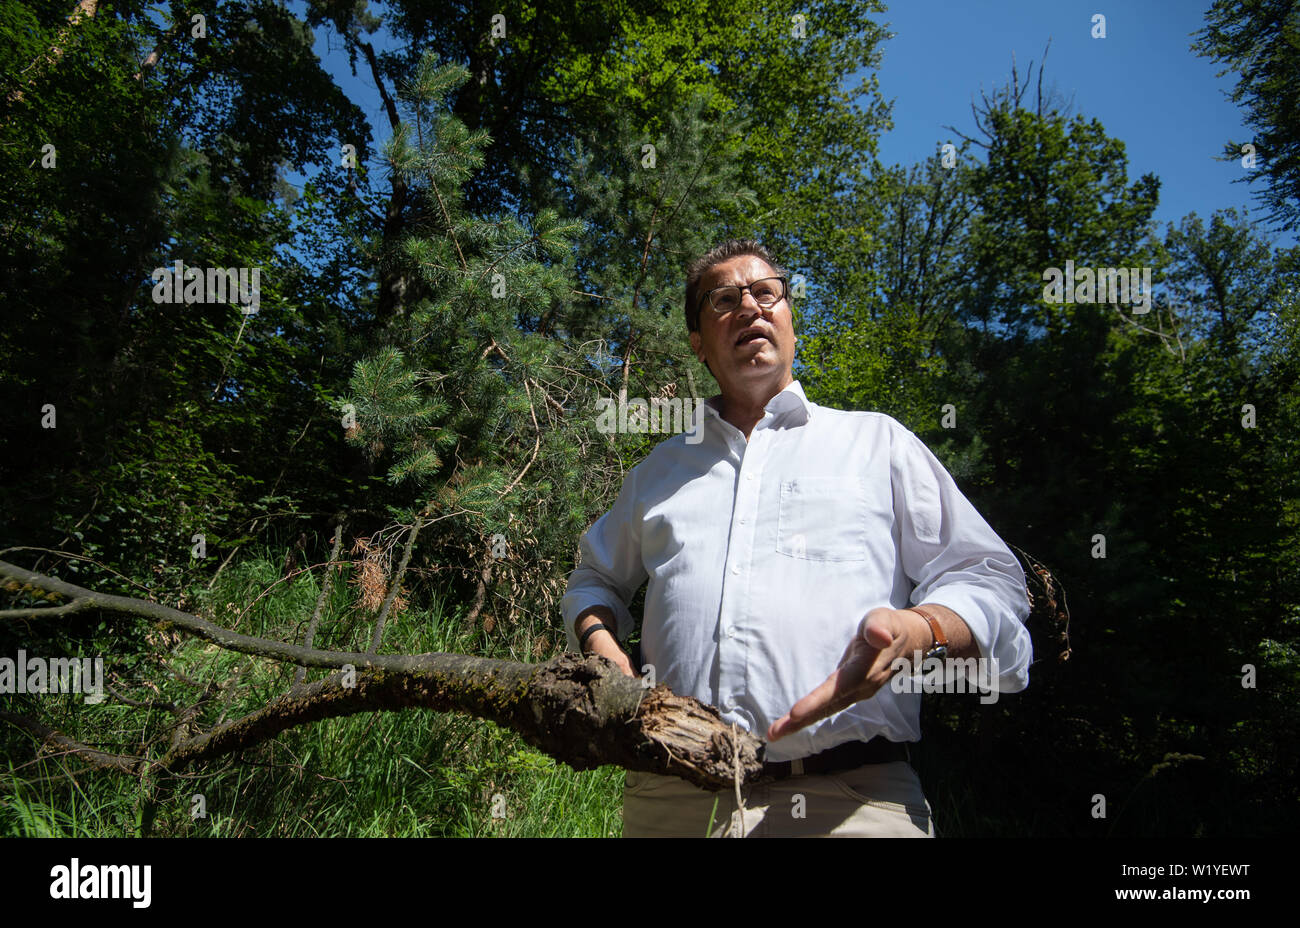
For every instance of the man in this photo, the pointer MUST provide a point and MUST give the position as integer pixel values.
(797, 557)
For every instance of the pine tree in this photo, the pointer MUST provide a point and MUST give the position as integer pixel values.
(481, 404)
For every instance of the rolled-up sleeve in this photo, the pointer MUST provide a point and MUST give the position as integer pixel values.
(956, 560)
(610, 569)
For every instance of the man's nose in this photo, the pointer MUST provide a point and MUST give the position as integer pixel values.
(750, 308)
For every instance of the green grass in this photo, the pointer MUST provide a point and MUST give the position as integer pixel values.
(414, 773)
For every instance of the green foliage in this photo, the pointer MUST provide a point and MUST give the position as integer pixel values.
(1259, 43)
(1078, 420)
(521, 261)
(171, 419)
(871, 340)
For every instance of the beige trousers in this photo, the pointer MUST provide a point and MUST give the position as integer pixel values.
(872, 801)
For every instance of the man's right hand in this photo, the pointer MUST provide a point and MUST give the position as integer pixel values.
(602, 642)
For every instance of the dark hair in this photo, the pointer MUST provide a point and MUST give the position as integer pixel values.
(732, 248)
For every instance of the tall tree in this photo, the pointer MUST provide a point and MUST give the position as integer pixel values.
(872, 337)
(167, 417)
(1259, 41)
(798, 76)
(520, 330)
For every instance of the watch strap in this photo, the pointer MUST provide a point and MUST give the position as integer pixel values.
(582, 639)
(940, 646)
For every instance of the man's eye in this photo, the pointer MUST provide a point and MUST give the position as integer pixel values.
(766, 293)
(725, 300)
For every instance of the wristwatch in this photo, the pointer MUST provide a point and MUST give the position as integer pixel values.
(940, 647)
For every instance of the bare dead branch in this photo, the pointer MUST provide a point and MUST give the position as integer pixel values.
(537, 442)
(480, 595)
(50, 738)
(393, 588)
(583, 711)
(301, 673)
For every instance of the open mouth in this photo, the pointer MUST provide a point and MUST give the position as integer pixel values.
(751, 336)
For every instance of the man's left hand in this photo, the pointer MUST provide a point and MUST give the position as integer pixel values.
(868, 662)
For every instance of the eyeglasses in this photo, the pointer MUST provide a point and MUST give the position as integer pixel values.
(766, 292)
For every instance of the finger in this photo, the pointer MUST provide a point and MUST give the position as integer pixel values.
(877, 635)
(827, 699)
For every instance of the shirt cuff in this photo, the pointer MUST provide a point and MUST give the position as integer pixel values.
(576, 602)
(999, 633)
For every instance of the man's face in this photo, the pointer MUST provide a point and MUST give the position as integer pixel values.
(749, 347)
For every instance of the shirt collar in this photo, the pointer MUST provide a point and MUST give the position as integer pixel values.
(790, 402)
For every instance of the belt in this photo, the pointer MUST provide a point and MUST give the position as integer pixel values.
(841, 757)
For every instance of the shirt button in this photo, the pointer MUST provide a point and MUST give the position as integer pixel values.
(735, 569)
(749, 476)
(731, 631)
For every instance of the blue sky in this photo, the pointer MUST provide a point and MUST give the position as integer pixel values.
(1141, 81)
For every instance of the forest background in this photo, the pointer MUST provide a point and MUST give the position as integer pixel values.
(401, 442)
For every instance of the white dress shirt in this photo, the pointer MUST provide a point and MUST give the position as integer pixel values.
(763, 557)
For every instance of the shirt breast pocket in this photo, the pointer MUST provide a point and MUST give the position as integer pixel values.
(822, 519)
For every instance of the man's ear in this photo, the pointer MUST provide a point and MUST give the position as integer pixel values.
(696, 342)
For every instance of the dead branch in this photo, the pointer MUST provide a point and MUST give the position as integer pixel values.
(583, 711)
(301, 673)
(394, 588)
(50, 738)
